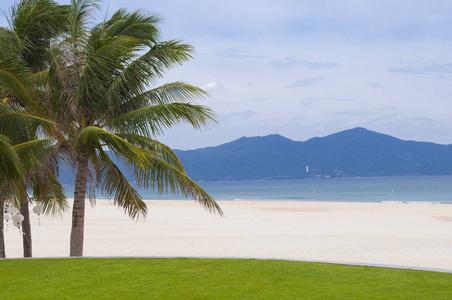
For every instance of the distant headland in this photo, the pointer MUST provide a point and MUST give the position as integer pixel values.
(356, 152)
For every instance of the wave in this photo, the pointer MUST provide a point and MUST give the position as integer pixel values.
(293, 198)
(419, 202)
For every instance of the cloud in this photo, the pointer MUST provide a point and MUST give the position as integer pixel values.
(311, 81)
(367, 116)
(311, 100)
(308, 101)
(376, 85)
(426, 69)
(237, 54)
(353, 113)
(387, 117)
(213, 87)
(239, 116)
(291, 62)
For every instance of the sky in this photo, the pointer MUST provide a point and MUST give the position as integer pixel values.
(307, 69)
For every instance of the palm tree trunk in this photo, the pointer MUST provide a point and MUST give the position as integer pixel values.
(2, 237)
(26, 227)
(78, 209)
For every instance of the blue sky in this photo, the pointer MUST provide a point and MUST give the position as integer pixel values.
(312, 68)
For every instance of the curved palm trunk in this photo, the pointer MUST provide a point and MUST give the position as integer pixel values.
(26, 227)
(2, 237)
(78, 209)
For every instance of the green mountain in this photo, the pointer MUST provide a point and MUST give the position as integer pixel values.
(356, 152)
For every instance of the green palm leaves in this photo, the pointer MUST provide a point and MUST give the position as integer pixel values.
(35, 23)
(37, 155)
(10, 166)
(100, 80)
(88, 89)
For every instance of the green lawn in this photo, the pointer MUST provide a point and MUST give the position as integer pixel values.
(183, 278)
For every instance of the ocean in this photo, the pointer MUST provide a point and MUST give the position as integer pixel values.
(409, 189)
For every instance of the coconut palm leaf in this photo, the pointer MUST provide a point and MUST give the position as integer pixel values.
(10, 165)
(18, 124)
(166, 55)
(15, 79)
(115, 185)
(51, 196)
(10, 44)
(100, 66)
(137, 24)
(170, 93)
(41, 79)
(164, 152)
(38, 159)
(143, 71)
(32, 153)
(80, 13)
(36, 22)
(92, 139)
(153, 120)
(175, 92)
(165, 178)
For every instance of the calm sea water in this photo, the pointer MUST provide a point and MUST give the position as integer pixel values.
(415, 189)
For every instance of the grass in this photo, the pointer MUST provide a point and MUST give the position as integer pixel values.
(183, 278)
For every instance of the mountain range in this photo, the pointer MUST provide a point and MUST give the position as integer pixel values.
(356, 152)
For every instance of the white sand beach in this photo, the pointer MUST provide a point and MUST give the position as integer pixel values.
(411, 235)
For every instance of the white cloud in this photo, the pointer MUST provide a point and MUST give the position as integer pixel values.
(376, 85)
(311, 81)
(436, 68)
(291, 62)
(237, 54)
(213, 87)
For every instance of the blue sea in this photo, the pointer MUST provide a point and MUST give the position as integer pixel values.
(412, 189)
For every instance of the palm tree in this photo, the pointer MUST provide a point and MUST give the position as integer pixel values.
(23, 49)
(10, 173)
(101, 99)
(37, 162)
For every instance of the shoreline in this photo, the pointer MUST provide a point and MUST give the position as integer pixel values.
(387, 234)
(291, 201)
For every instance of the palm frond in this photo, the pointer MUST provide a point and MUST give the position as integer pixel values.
(152, 120)
(91, 138)
(68, 57)
(33, 152)
(10, 44)
(115, 185)
(21, 126)
(164, 152)
(146, 70)
(51, 196)
(168, 54)
(174, 92)
(138, 24)
(165, 178)
(10, 165)
(13, 192)
(63, 82)
(15, 79)
(102, 64)
(36, 22)
(171, 93)
(42, 78)
(80, 14)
